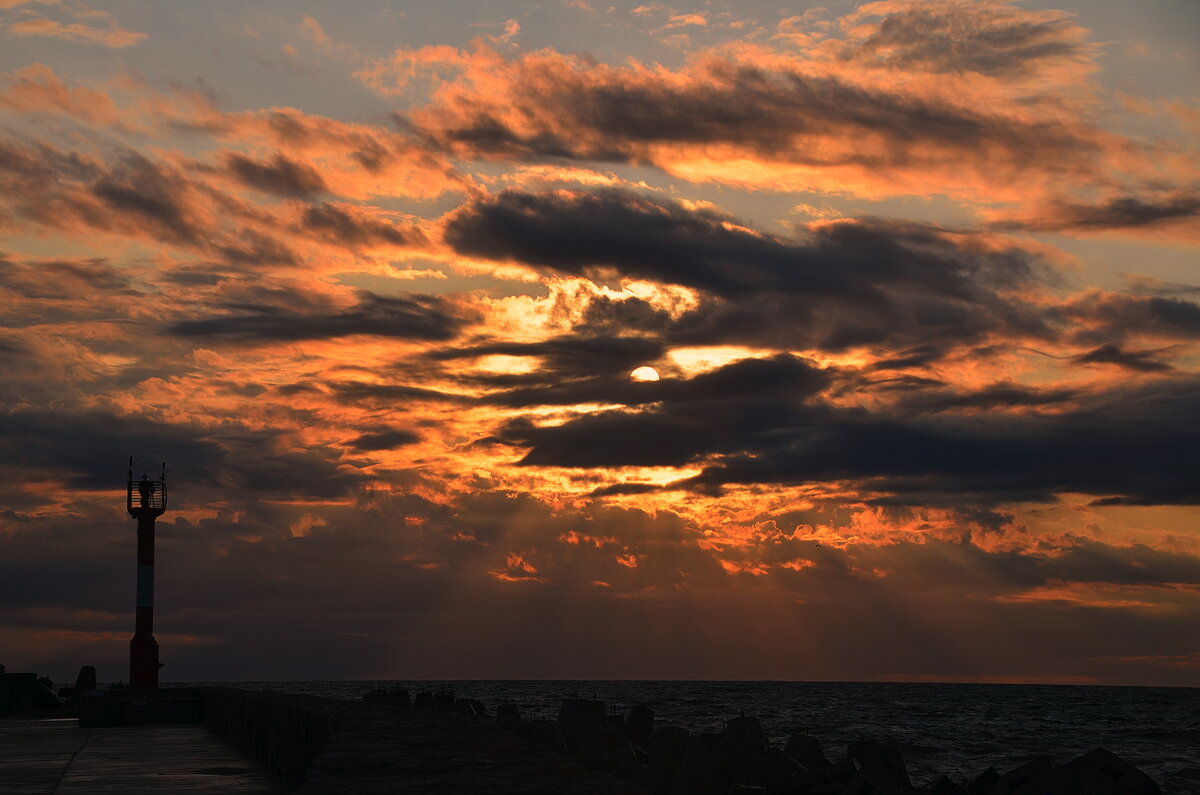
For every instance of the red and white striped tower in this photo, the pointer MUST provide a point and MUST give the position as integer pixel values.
(149, 503)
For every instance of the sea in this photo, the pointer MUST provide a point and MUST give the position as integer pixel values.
(958, 730)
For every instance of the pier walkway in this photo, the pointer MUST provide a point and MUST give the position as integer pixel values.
(54, 755)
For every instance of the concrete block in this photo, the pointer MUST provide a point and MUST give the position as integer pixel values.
(443, 701)
(747, 731)
(1018, 780)
(874, 779)
(806, 750)
(746, 766)
(701, 772)
(20, 691)
(396, 697)
(886, 756)
(86, 680)
(667, 750)
(471, 707)
(639, 726)
(984, 782)
(1098, 772)
(508, 716)
(579, 720)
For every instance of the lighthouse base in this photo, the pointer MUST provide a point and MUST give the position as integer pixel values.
(143, 661)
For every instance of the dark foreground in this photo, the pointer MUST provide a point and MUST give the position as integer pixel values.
(54, 755)
(436, 743)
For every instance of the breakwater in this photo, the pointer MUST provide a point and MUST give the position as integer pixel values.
(439, 742)
(951, 729)
(435, 740)
(670, 760)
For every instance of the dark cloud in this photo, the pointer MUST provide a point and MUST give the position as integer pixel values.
(990, 397)
(135, 197)
(383, 439)
(150, 193)
(844, 284)
(1125, 212)
(91, 448)
(786, 115)
(1098, 317)
(604, 313)
(919, 356)
(1130, 360)
(780, 377)
(255, 249)
(988, 39)
(280, 176)
(409, 317)
(88, 450)
(620, 489)
(1150, 431)
(61, 279)
(21, 162)
(341, 224)
(360, 393)
(1086, 560)
(11, 348)
(1137, 443)
(196, 276)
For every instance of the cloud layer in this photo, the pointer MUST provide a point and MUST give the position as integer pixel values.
(914, 281)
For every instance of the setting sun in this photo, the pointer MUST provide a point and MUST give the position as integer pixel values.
(644, 374)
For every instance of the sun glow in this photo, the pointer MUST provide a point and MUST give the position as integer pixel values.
(644, 374)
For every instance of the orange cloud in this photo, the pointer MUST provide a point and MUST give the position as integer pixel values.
(111, 36)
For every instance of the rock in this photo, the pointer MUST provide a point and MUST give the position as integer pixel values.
(20, 689)
(548, 736)
(579, 719)
(43, 696)
(1097, 771)
(667, 750)
(942, 786)
(832, 777)
(604, 749)
(743, 765)
(86, 680)
(397, 697)
(796, 774)
(639, 726)
(469, 706)
(984, 782)
(876, 779)
(806, 750)
(508, 716)
(443, 701)
(1032, 773)
(747, 732)
(885, 756)
(700, 773)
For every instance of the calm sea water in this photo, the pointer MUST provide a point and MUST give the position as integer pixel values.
(955, 729)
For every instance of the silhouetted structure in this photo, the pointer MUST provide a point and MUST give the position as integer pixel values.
(149, 503)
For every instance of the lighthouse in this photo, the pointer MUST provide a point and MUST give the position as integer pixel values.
(146, 500)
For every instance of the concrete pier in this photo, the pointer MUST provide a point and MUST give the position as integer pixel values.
(54, 755)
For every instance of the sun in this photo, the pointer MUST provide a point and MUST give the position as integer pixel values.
(644, 374)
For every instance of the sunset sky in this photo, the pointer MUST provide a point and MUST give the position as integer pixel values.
(919, 280)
